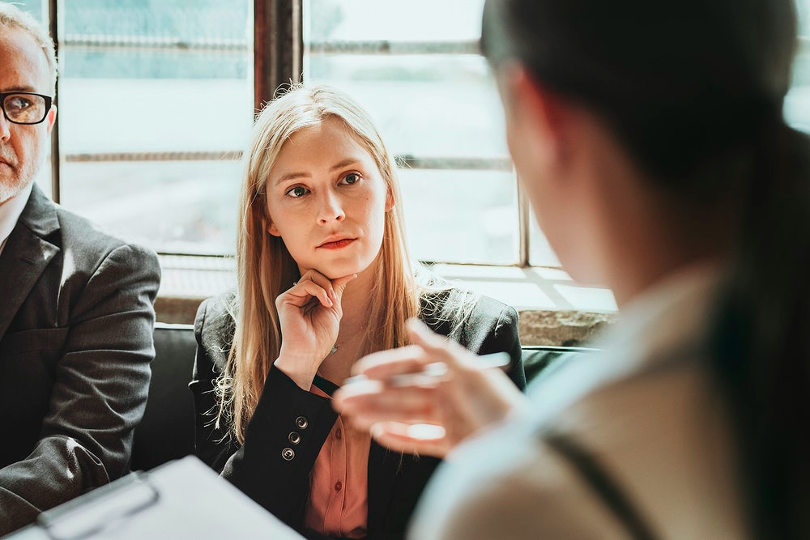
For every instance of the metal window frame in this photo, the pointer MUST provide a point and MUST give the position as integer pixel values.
(389, 48)
(278, 47)
(278, 56)
(53, 27)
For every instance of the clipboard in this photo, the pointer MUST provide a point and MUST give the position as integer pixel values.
(183, 499)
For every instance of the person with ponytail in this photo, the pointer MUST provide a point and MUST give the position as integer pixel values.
(650, 139)
(324, 277)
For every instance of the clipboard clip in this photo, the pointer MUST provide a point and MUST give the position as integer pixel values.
(100, 510)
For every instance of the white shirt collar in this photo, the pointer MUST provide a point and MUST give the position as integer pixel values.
(10, 212)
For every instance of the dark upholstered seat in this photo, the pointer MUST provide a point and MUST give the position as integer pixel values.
(167, 429)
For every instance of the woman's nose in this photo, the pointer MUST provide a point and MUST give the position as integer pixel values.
(331, 209)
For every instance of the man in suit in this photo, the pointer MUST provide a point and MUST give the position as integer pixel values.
(76, 313)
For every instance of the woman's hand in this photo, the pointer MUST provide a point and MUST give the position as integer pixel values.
(461, 403)
(309, 313)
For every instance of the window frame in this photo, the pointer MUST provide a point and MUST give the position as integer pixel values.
(278, 58)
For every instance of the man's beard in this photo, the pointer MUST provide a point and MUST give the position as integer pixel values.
(13, 181)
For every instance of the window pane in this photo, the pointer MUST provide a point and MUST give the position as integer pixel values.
(37, 8)
(414, 20)
(540, 252)
(460, 216)
(424, 105)
(797, 102)
(173, 206)
(803, 10)
(153, 94)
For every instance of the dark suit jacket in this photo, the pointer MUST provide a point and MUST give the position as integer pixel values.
(395, 481)
(76, 322)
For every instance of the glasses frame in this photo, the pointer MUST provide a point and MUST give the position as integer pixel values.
(48, 104)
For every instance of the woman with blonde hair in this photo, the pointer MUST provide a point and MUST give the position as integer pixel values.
(324, 277)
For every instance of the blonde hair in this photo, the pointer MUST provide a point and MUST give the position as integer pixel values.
(13, 17)
(265, 268)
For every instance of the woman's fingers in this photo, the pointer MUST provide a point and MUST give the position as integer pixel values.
(301, 292)
(320, 280)
(333, 289)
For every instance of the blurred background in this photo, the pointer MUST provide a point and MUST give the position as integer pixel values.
(156, 99)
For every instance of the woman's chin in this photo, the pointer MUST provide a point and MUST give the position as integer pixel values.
(337, 269)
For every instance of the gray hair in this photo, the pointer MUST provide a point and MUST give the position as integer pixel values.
(13, 17)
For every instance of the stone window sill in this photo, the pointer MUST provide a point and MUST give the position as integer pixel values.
(553, 309)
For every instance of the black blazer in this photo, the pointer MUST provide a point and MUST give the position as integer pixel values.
(395, 481)
(76, 323)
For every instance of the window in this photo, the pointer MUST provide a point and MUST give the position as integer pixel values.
(155, 103)
(156, 99)
(797, 102)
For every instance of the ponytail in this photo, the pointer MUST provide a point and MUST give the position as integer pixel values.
(761, 342)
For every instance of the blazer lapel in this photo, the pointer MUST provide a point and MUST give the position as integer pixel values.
(26, 254)
(382, 470)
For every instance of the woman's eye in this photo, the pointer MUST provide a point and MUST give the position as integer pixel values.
(351, 178)
(297, 191)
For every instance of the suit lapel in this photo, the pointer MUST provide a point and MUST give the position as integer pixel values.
(26, 255)
(382, 470)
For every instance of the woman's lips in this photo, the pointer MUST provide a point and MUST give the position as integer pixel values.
(339, 244)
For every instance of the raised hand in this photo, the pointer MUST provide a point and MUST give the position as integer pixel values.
(425, 417)
(309, 313)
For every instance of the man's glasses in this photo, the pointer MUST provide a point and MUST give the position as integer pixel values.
(25, 107)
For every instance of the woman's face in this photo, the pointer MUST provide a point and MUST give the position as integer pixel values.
(327, 200)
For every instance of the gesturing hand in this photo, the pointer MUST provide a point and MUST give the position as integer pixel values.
(309, 313)
(463, 402)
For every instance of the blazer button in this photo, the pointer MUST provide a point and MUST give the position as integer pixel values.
(288, 454)
(301, 422)
(294, 437)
